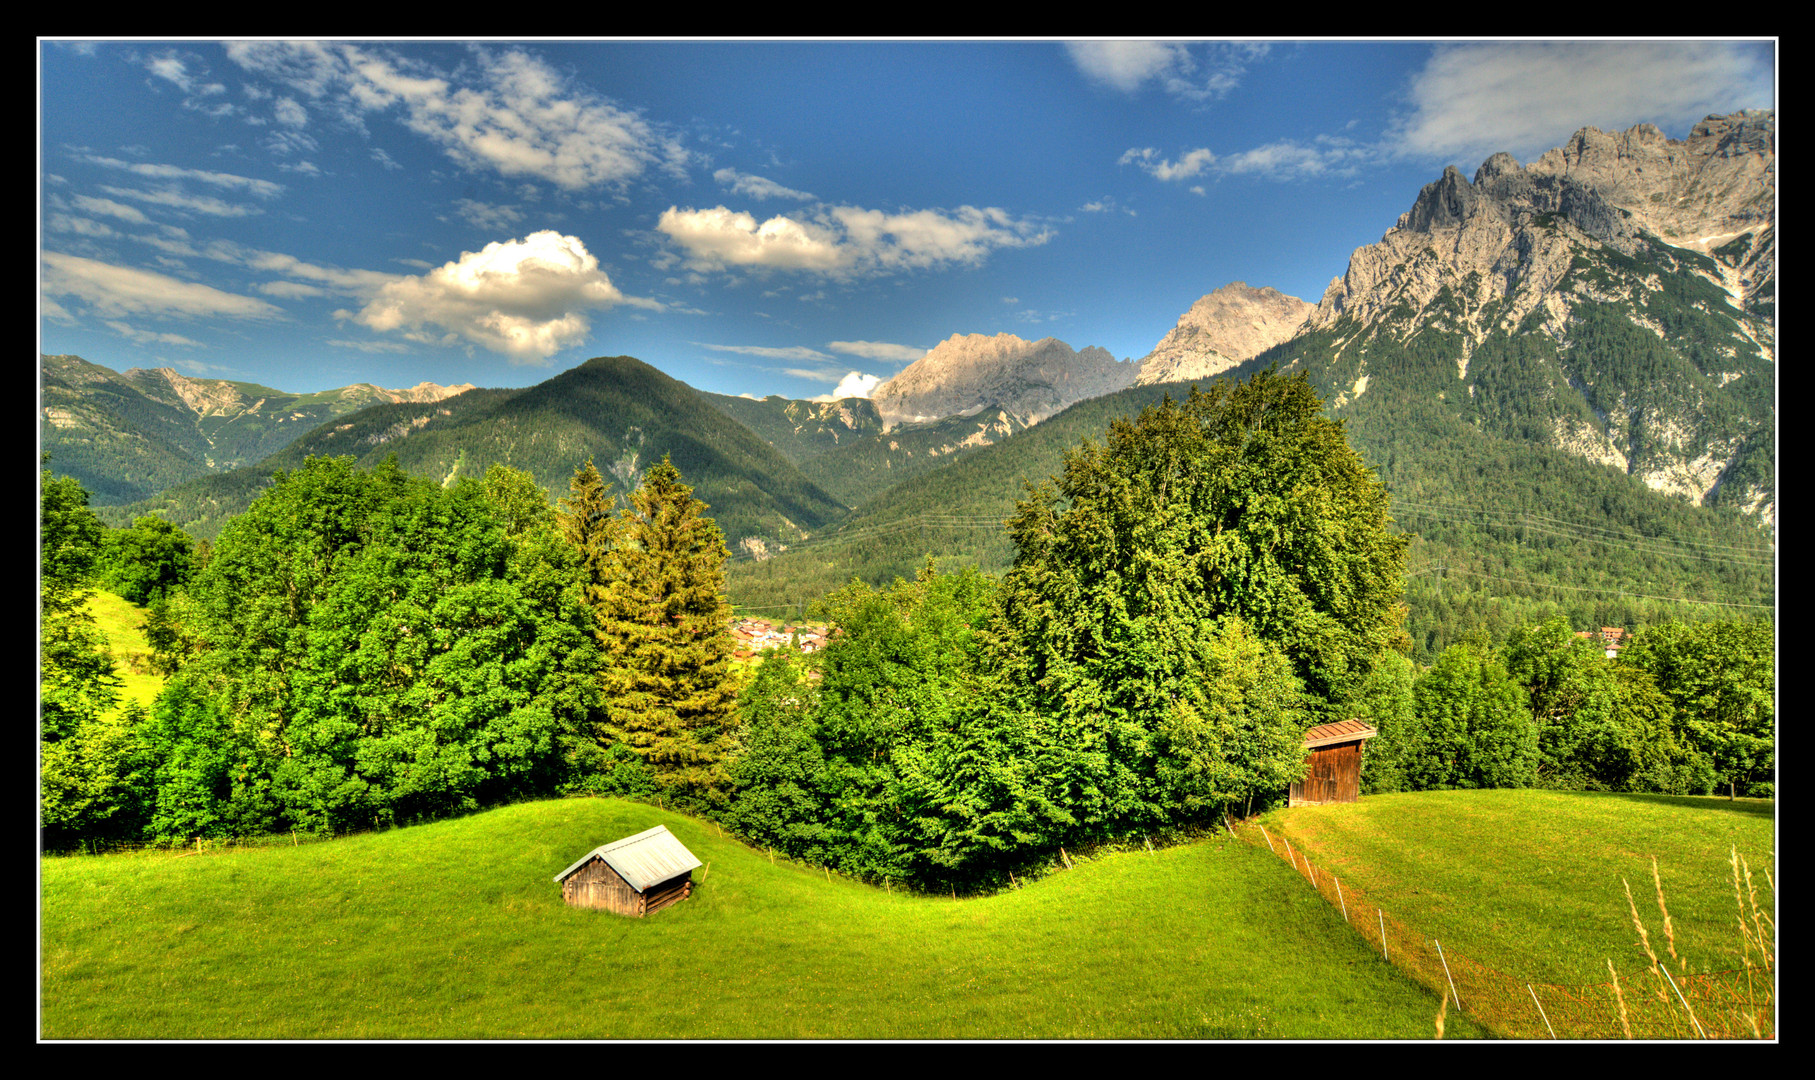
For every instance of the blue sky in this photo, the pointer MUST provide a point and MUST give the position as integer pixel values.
(755, 217)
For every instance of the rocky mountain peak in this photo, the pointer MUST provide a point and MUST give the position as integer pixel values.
(1671, 241)
(1221, 330)
(1030, 380)
(1443, 203)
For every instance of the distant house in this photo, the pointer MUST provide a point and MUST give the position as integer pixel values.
(636, 876)
(1333, 764)
(1610, 638)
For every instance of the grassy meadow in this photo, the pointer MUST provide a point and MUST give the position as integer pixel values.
(1526, 886)
(456, 930)
(124, 626)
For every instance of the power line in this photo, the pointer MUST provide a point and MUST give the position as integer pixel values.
(1446, 511)
(1621, 593)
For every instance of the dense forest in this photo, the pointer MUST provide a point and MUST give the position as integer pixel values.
(1191, 588)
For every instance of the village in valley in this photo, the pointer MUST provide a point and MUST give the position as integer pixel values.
(755, 636)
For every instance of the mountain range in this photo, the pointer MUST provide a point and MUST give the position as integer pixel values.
(1587, 338)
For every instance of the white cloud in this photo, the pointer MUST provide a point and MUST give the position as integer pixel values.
(149, 337)
(525, 299)
(1285, 159)
(179, 200)
(110, 208)
(509, 112)
(81, 226)
(1125, 65)
(176, 70)
(291, 290)
(1472, 100)
(370, 346)
(264, 189)
(1197, 72)
(845, 241)
(757, 187)
(488, 217)
(120, 291)
(790, 352)
(854, 385)
(1151, 163)
(289, 113)
(878, 350)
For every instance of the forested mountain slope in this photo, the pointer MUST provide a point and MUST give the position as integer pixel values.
(129, 435)
(619, 411)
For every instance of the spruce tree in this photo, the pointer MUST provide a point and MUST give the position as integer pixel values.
(664, 630)
(586, 521)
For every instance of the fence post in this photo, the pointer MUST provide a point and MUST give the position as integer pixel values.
(1685, 1001)
(1452, 981)
(1339, 897)
(1540, 1005)
(1382, 915)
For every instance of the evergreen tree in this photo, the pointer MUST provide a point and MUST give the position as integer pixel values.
(665, 637)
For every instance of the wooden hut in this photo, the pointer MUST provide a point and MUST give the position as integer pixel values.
(637, 876)
(1333, 764)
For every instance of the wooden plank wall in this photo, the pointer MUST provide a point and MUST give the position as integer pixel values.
(597, 885)
(672, 891)
(1333, 775)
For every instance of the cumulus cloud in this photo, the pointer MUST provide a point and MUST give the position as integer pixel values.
(1473, 100)
(509, 112)
(1198, 72)
(878, 350)
(856, 384)
(757, 187)
(844, 241)
(120, 291)
(524, 299)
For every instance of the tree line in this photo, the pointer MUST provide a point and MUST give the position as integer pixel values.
(1187, 598)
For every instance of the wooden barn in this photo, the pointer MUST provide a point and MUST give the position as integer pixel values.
(1333, 757)
(637, 876)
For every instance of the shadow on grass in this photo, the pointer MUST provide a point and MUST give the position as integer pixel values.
(1763, 808)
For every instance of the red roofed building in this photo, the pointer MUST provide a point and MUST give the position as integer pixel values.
(1332, 764)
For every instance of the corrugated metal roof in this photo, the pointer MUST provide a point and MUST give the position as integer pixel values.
(648, 858)
(1340, 732)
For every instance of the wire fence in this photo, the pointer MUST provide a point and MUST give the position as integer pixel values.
(1654, 1003)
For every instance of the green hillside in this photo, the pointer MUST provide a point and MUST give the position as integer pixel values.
(455, 930)
(1505, 531)
(842, 447)
(127, 436)
(617, 410)
(1550, 907)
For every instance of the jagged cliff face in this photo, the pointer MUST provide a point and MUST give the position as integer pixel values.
(1233, 324)
(1029, 380)
(1624, 283)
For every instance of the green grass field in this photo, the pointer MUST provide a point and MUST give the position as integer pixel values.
(124, 626)
(1529, 883)
(456, 930)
